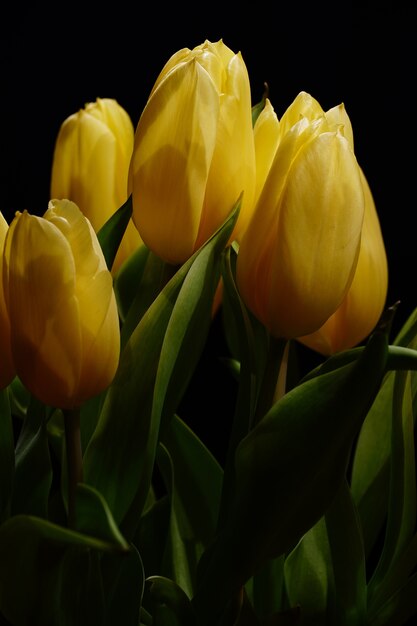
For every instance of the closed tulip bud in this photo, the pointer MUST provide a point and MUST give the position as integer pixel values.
(364, 303)
(91, 164)
(59, 294)
(7, 371)
(298, 255)
(193, 152)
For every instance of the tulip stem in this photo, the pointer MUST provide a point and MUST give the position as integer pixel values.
(74, 459)
(273, 382)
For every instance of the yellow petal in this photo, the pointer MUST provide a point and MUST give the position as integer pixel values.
(338, 117)
(174, 144)
(304, 105)
(266, 137)
(232, 169)
(320, 223)
(363, 304)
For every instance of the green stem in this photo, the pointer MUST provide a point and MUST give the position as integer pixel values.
(74, 459)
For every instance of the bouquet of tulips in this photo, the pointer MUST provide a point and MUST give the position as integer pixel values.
(113, 511)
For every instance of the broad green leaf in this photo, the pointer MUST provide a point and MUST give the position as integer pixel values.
(111, 233)
(153, 372)
(168, 604)
(181, 551)
(251, 346)
(308, 575)
(153, 277)
(267, 588)
(198, 480)
(94, 517)
(301, 449)
(6, 454)
(348, 606)
(401, 517)
(33, 470)
(370, 467)
(371, 455)
(124, 581)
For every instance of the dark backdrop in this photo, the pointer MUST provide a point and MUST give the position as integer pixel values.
(56, 57)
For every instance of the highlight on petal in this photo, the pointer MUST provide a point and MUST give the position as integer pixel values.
(174, 142)
(321, 216)
(266, 137)
(364, 303)
(233, 167)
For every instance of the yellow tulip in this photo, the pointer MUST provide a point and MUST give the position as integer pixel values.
(7, 371)
(298, 255)
(194, 151)
(91, 164)
(59, 294)
(364, 303)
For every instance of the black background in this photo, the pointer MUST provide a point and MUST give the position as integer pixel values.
(56, 57)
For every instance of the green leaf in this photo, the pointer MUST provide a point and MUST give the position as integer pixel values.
(181, 554)
(251, 348)
(31, 555)
(399, 608)
(6, 454)
(125, 587)
(267, 588)
(153, 277)
(308, 574)
(371, 458)
(193, 480)
(128, 279)
(94, 517)
(33, 470)
(198, 480)
(19, 398)
(168, 604)
(151, 535)
(401, 516)
(349, 602)
(111, 233)
(301, 448)
(155, 367)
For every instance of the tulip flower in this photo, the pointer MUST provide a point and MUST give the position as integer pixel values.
(194, 151)
(299, 253)
(6, 362)
(364, 303)
(59, 294)
(91, 163)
